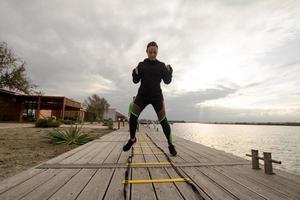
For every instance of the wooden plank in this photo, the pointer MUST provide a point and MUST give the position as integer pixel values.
(208, 186)
(185, 189)
(287, 175)
(83, 166)
(218, 154)
(116, 187)
(97, 186)
(114, 155)
(138, 191)
(183, 146)
(101, 156)
(124, 155)
(19, 178)
(163, 190)
(75, 150)
(206, 152)
(182, 149)
(135, 165)
(102, 177)
(219, 175)
(68, 153)
(277, 183)
(92, 153)
(29, 185)
(72, 188)
(78, 155)
(181, 157)
(230, 185)
(265, 191)
(44, 191)
(204, 184)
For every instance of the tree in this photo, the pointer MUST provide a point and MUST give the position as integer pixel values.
(13, 72)
(95, 107)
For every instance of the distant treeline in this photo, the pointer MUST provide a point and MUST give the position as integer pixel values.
(243, 123)
(261, 123)
(237, 123)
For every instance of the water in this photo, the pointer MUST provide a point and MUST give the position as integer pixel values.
(282, 141)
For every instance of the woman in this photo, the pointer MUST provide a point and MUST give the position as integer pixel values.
(150, 72)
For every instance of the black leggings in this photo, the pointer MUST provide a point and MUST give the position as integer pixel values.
(138, 106)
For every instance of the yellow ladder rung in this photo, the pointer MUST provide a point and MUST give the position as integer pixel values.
(156, 180)
(149, 163)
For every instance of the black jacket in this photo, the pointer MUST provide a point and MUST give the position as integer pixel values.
(151, 72)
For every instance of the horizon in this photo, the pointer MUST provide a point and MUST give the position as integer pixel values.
(232, 61)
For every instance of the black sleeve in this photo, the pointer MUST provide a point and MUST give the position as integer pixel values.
(136, 77)
(167, 75)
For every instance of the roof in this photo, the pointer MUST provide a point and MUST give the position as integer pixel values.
(6, 91)
(28, 96)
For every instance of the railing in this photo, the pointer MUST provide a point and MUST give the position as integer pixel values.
(267, 158)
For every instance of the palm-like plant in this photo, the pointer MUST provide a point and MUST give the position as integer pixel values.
(73, 135)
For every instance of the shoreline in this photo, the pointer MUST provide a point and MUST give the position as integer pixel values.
(243, 123)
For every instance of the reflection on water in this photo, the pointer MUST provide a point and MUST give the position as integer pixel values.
(282, 141)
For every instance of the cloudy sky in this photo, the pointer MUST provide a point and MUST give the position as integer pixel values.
(233, 60)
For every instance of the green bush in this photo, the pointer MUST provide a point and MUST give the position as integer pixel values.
(72, 135)
(46, 123)
(109, 123)
(105, 122)
(68, 121)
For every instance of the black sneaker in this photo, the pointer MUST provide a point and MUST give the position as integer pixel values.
(127, 146)
(172, 150)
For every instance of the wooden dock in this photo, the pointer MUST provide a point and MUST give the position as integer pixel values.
(96, 170)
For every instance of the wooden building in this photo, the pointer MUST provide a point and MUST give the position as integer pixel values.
(19, 107)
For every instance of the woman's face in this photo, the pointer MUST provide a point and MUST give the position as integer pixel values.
(152, 52)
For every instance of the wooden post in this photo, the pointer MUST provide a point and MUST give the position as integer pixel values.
(268, 163)
(255, 159)
(63, 109)
(38, 108)
(123, 120)
(157, 129)
(21, 111)
(118, 123)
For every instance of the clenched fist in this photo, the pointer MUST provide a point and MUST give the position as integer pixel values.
(168, 67)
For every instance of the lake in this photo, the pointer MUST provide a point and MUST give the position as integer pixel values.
(282, 141)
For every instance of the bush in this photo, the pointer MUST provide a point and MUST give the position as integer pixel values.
(73, 135)
(46, 123)
(68, 121)
(109, 123)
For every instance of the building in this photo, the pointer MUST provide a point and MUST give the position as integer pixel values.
(19, 107)
(111, 113)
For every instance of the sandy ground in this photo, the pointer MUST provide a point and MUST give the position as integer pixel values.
(4, 125)
(22, 146)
